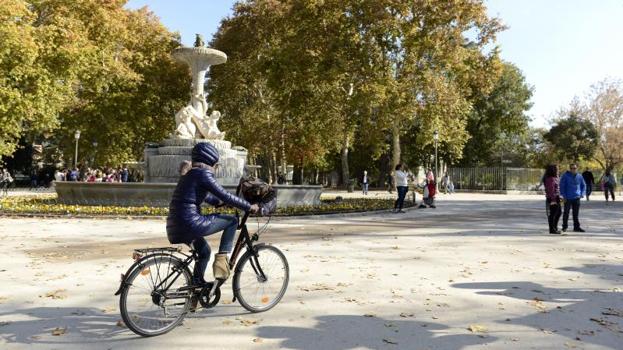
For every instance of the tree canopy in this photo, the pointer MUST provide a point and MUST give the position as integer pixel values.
(308, 79)
(573, 138)
(86, 65)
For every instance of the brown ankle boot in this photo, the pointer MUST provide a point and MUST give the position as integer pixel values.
(221, 266)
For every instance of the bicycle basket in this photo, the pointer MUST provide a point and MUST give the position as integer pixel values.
(256, 191)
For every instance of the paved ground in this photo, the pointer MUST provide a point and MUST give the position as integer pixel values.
(419, 280)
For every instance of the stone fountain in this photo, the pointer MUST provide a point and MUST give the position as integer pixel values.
(193, 124)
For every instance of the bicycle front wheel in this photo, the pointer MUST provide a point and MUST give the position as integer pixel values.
(155, 297)
(261, 281)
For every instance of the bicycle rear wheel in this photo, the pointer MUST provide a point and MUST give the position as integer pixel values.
(260, 282)
(155, 297)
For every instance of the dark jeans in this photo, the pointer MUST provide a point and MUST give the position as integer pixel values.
(402, 192)
(608, 188)
(226, 223)
(553, 215)
(589, 190)
(574, 205)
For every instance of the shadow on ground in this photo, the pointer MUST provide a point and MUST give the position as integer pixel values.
(589, 315)
(344, 332)
(79, 324)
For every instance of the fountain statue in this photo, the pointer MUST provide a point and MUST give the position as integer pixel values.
(193, 124)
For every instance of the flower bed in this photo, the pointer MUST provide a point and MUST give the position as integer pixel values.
(48, 205)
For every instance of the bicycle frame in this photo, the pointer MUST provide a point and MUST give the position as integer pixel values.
(244, 239)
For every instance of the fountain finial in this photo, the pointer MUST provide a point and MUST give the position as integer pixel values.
(199, 41)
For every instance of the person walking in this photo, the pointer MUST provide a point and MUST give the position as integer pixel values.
(572, 189)
(364, 183)
(590, 182)
(432, 191)
(608, 182)
(125, 173)
(552, 197)
(389, 181)
(5, 181)
(402, 186)
(58, 175)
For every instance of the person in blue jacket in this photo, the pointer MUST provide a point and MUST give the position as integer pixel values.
(186, 224)
(572, 189)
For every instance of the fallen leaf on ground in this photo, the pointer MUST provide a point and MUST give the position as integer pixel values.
(476, 328)
(258, 340)
(404, 314)
(390, 341)
(59, 331)
(369, 315)
(316, 287)
(608, 312)
(120, 324)
(247, 322)
(57, 294)
(109, 309)
(538, 304)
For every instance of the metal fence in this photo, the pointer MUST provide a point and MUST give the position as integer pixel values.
(496, 179)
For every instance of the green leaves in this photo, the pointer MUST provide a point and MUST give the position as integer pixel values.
(309, 76)
(87, 65)
(573, 138)
(498, 121)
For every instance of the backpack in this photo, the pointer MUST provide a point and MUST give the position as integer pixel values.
(256, 191)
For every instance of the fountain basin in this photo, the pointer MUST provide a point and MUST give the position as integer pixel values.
(162, 162)
(159, 194)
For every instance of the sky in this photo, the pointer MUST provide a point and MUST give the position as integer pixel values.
(561, 46)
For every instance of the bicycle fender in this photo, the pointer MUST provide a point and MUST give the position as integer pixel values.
(123, 283)
(137, 263)
(255, 247)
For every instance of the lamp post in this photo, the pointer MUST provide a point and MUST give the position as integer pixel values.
(94, 151)
(77, 136)
(436, 138)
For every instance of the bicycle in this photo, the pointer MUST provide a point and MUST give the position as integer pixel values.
(160, 281)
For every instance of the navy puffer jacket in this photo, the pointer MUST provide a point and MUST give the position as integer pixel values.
(199, 185)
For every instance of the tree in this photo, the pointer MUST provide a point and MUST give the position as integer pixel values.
(320, 77)
(36, 78)
(573, 138)
(604, 110)
(498, 121)
(87, 65)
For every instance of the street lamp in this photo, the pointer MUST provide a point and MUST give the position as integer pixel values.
(94, 151)
(436, 138)
(77, 136)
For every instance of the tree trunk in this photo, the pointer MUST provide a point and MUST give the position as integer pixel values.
(345, 172)
(273, 165)
(395, 145)
(283, 150)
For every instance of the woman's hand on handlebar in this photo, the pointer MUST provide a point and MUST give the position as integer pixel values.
(254, 208)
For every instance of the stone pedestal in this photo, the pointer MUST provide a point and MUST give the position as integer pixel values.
(162, 162)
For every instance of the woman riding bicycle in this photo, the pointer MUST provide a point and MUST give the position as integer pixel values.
(186, 224)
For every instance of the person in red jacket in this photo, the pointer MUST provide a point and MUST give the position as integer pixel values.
(552, 197)
(432, 191)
